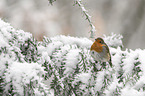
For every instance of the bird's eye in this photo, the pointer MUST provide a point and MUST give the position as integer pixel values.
(100, 41)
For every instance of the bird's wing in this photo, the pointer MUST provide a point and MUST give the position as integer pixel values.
(107, 50)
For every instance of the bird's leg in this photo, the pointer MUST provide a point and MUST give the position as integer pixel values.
(94, 66)
(103, 65)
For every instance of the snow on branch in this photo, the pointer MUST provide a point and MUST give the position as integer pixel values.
(85, 12)
(88, 17)
(51, 1)
(63, 66)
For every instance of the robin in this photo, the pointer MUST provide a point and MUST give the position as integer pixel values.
(100, 51)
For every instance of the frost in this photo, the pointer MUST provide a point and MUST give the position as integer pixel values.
(71, 60)
(84, 77)
(3, 42)
(82, 42)
(23, 74)
(63, 66)
(129, 62)
(131, 92)
(114, 40)
(52, 47)
(99, 81)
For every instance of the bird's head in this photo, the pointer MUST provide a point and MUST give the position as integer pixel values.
(98, 45)
(99, 41)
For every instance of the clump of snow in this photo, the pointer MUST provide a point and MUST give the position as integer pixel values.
(129, 62)
(23, 74)
(99, 82)
(8, 33)
(59, 54)
(112, 88)
(83, 77)
(114, 40)
(53, 46)
(131, 92)
(71, 60)
(3, 42)
(81, 42)
(140, 83)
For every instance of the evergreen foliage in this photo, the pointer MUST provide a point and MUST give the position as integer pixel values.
(62, 66)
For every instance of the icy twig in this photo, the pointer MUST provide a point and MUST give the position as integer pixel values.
(51, 1)
(88, 17)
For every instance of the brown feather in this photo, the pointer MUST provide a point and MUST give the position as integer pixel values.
(96, 47)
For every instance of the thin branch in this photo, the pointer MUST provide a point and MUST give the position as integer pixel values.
(51, 1)
(88, 17)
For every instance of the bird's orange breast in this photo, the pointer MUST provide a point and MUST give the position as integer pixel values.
(96, 47)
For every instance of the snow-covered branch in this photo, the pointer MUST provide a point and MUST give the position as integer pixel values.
(63, 66)
(85, 12)
(88, 17)
(51, 1)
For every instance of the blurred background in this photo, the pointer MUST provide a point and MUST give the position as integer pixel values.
(126, 17)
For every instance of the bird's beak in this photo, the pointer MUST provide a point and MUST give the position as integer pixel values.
(95, 39)
(103, 45)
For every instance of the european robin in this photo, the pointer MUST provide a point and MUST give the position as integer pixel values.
(100, 51)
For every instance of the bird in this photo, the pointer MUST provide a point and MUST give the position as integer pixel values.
(100, 51)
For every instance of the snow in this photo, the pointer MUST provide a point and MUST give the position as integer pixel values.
(59, 54)
(82, 42)
(99, 81)
(142, 59)
(131, 92)
(7, 33)
(84, 77)
(71, 60)
(66, 59)
(23, 74)
(129, 62)
(88, 18)
(112, 88)
(140, 83)
(52, 47)
(114, 40)
(93, 28)
(3, 42)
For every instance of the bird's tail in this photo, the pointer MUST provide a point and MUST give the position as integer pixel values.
(110, 62)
